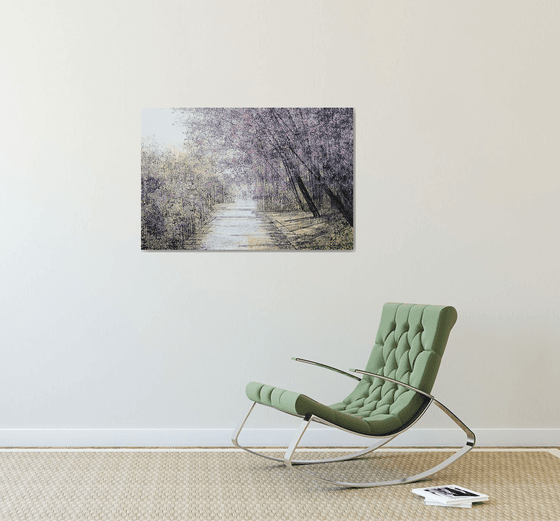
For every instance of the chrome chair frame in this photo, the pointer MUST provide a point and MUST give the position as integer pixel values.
(293, 464)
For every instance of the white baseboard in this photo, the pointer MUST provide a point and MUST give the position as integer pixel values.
(316, 436)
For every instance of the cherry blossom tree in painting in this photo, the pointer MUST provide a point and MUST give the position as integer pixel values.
(308, 151)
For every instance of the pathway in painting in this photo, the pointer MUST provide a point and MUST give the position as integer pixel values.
(239, 226)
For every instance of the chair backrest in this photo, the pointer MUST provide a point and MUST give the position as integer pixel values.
(410, 342)
(408, 347)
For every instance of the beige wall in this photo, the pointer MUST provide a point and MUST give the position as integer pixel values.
(457, 190)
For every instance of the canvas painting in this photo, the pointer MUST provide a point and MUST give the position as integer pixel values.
(247, 179)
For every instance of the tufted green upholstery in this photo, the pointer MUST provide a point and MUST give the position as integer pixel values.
(408, 347)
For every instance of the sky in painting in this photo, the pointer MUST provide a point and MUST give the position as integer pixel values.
(160, 124)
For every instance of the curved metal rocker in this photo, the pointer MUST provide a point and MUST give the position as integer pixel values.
(382, 438)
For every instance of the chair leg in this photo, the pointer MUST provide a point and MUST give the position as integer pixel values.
(417, 477)
(237, 432)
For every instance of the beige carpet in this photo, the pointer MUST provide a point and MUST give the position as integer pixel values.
(231, 485)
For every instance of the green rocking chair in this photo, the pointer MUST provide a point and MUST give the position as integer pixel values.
(391, 396)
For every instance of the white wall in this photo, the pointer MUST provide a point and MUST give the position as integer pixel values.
(457, 189)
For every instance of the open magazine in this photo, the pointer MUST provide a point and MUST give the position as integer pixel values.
(450, 495)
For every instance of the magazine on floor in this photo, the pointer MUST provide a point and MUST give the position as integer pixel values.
(449, 495)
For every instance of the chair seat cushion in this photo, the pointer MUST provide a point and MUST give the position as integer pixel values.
(380, 424)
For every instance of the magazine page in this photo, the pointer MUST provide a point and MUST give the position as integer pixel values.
(467, 504)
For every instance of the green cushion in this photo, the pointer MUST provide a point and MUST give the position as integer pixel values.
(408, 347)
(299, 404)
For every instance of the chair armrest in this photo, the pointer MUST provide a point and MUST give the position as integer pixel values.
(330, 368)
(393, 381)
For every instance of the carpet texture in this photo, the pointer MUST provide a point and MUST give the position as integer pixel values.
(212, 486)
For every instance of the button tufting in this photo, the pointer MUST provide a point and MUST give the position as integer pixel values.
(395, 355)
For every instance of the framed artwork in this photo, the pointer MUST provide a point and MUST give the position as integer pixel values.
(247, 179)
